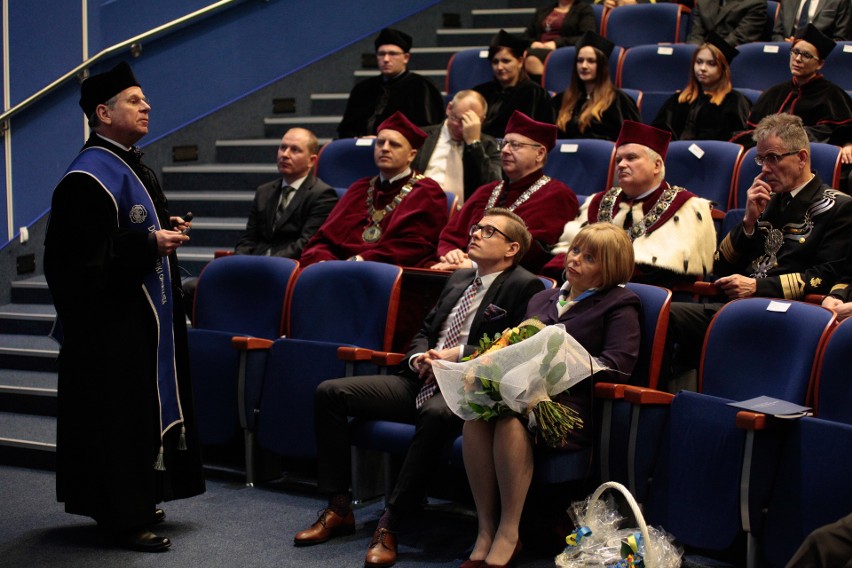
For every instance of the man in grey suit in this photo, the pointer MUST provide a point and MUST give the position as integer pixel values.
(288, 211)
(831, 17)
(457, 154)
(474, 302)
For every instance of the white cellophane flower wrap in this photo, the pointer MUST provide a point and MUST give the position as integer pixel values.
(517, 376)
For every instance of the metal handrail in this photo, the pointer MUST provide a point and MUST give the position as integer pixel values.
(132, 43)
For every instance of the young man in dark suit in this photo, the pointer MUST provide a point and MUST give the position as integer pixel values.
(474, 302)
(288, 211)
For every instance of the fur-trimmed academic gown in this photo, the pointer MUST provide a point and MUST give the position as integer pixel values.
(703, 120)
(825, 109)
(677, 248)
(108, 428)
(545, 213)
(409, 232)
(526, 97)
(373, 100)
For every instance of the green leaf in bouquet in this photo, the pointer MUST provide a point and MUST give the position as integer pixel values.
(555, 374)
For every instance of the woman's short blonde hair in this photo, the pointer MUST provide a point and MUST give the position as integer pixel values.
(611, 247)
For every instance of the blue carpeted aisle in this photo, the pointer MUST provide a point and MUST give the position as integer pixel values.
(231, 525)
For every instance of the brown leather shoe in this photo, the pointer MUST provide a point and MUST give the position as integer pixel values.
(382, 550)
(328, 525)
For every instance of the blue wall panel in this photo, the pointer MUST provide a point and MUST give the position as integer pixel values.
(187, 74)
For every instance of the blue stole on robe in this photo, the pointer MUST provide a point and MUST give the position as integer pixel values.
(135, 211)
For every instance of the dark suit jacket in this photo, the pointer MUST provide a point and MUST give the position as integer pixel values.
(508, 295)
(832, 17)
(607, 325)
(307, 210)
(738, 21)
(481, 162)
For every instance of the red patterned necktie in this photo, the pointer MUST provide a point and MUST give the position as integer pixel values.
(430, 387)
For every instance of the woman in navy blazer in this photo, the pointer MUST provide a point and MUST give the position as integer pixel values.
(601, 315)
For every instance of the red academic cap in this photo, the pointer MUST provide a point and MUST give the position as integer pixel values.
(541, 132)
(638, 133)
(98, 89)
(398, 122)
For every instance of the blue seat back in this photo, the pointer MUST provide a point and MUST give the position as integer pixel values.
(704, 167)
(744, 328)
(643, 24)
(732, 218)
(761, 65)
(751, 94)
(584, 165)
(343, 161)
(244, 295)
(346, 302)
(467, 69)
(838, 65)
(656, 68)
(655, 306)
(833, 389)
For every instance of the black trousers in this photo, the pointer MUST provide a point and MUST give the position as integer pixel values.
(380, 397)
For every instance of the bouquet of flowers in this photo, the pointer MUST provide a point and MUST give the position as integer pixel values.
(518, 371)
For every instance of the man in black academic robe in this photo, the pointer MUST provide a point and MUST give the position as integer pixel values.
(396, 89)
(126, 437)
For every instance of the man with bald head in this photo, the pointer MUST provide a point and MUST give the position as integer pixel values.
(288, 211)
(457, 154)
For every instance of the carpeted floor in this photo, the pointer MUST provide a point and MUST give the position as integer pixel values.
(229, 526)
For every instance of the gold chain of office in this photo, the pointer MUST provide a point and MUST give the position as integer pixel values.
(374, 232)
(641, 226)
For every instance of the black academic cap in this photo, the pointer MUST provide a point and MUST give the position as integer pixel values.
(597, 41)
(502, 39)
(390, 36)
(98, 89)
(819, 40)
(726, 48)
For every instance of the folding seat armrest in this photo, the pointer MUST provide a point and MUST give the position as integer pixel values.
(611, 391)
(747, 420)
(387, 359)
(815, 298)
(250, 343)
(644, 396)
(354, 354)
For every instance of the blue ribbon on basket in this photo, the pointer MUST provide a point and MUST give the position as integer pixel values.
(577, 536)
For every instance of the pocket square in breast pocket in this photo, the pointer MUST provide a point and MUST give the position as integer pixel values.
(493, 312)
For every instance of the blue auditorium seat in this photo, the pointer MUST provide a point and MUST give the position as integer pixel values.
(833, 389)
(838, 65)
(643, 24)
(559, 67)
(761, 65)
(584, 165)
(341, 162)
(467, 69)
(707, 168)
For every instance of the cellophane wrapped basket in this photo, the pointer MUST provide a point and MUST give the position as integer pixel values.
(599, 542)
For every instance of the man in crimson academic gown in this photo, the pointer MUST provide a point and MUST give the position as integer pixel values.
(543, 203)
(394, 217)
(396, 89)
(126, 437)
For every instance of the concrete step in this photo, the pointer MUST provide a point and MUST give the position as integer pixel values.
(217, 177)
(216, 231)
(502, 17)
(28, 352)
(35, 319)
(470, 37)
(28, 392)
(214, 203)
(193, 259)
(28, 440)
(31, 290)
(328, 103)
(323, 126)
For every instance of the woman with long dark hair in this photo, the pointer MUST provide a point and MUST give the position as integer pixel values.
(591, 106)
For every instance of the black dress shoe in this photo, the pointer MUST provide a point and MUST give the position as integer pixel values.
(159, 516)
(141, 540)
